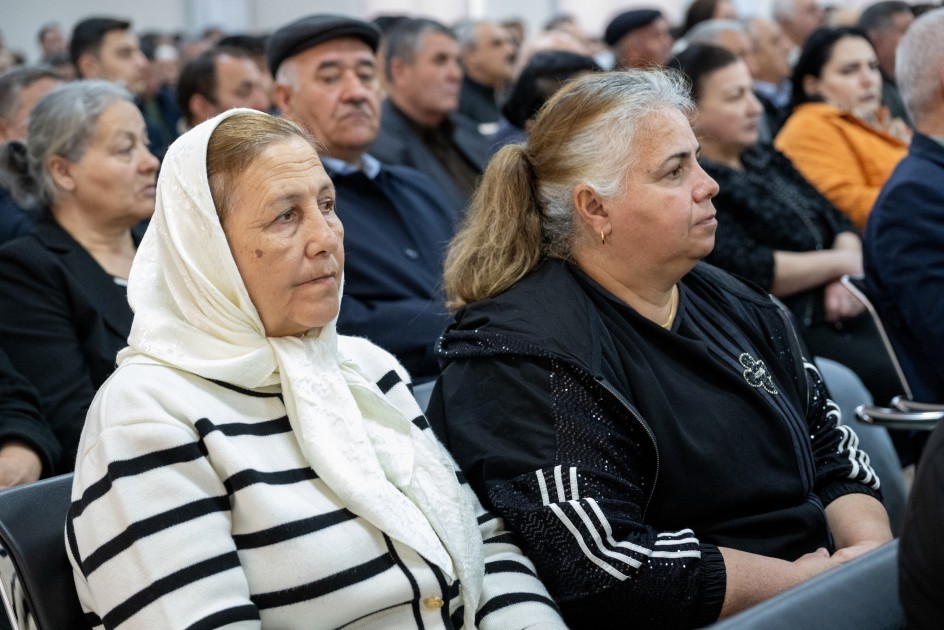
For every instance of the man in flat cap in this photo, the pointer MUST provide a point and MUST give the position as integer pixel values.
(640, 39)
(396, 221)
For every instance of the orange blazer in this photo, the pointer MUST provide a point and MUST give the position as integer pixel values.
(846, 159)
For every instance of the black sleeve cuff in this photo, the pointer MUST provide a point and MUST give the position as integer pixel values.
(41, 441)
(833, 491)
(714, 586)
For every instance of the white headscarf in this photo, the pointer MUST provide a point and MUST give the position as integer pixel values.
(193, 312)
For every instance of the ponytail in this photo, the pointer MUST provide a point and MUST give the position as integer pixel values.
(500, 239)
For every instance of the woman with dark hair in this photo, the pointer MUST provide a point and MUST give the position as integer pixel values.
(64, 313)
(646, 424)
(774, 227)
(839, 135)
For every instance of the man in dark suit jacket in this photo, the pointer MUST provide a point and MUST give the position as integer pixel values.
(421, 126)
(904, 237)
(396, 221)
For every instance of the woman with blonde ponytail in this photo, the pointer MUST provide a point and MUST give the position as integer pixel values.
(644, 422)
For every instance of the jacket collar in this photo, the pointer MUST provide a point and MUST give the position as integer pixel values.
(928, 148)
(110, 298)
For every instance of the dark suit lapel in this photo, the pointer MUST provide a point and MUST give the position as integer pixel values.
(110, 299)
(472, 145)
(927, 148)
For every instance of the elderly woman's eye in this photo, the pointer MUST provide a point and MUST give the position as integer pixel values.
(288, 215)
(327, 205)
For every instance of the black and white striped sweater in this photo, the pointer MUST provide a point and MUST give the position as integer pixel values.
(193, 507)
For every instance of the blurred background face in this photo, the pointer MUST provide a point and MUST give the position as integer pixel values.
(850, 79)
(491, 62)
(430, 85)
(740, 45)
(239, 84)
(771, 52)
(115, 177)
(728, 112)
(724, 10)
(53, 41)
(16, 127)
(646, 46)
(119, 60)
(885, 40)
(808, 17)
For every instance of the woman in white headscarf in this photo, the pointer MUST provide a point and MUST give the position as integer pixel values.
(247, 466)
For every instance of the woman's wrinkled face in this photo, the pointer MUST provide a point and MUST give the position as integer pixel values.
(664, 216)
(728, 112)
(286, 239)
(114, 180)
(850, 79)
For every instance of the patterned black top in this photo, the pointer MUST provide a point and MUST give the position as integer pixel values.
(766, 207)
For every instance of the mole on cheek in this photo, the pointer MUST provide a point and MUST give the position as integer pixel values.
(259, 253)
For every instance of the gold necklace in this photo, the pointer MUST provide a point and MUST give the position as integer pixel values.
(673, 305)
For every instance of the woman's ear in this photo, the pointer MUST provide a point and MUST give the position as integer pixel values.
(60, 169)
(591, 209)
(811, 86)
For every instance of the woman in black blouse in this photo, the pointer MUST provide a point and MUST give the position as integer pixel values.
(774, 227)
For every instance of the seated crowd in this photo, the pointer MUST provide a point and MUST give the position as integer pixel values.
(225, 262)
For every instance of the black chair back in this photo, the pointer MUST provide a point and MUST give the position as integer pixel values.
(35, 575)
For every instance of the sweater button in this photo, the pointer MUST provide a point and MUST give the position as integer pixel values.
(411, 253)
(433, 602)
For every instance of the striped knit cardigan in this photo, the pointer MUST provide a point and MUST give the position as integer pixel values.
(193, 507)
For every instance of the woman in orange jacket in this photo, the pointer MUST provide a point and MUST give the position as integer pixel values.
(839, 136)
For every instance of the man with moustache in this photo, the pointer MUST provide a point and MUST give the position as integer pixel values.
(420, 126)
(396, 221)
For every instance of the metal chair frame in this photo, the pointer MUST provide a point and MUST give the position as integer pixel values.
(903, 412)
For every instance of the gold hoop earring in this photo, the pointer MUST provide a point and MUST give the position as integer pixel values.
(602, 237)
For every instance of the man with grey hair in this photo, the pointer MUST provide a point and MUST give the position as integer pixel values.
(487, 53)
(884, 24)
(904, 260)
(20, 90)
(420, 125)
(798, 18)
(904, 238)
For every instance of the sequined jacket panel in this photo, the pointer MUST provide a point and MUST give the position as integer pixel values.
(535, 356)
(768, 207)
